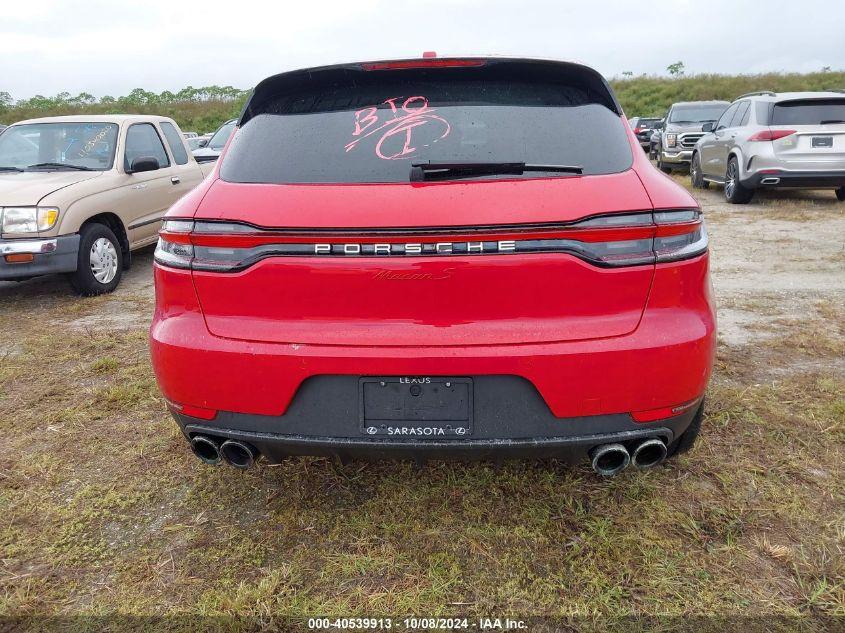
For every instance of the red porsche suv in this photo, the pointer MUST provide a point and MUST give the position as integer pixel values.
(435, 258)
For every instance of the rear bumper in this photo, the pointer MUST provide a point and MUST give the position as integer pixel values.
(787, 178)
(53, 255)
(666, 361)
(509, 420)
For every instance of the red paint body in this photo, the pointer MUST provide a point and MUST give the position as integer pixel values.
(592, 340)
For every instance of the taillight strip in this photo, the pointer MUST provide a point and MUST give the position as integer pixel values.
(249, 240)
(606, 241)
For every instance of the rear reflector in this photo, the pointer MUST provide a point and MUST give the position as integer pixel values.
(605, 241)
(19, 258)
(663, 413)
(200, 413)
(770, 135)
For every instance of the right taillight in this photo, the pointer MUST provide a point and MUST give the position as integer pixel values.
(770, 135)
(680, 235)
(609, 241)
(675, 234)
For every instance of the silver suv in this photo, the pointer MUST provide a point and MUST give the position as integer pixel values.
(767, 139)
(682, 128)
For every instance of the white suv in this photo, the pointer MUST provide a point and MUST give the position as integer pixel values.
(767, 139)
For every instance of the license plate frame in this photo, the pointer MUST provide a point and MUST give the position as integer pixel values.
(415, 407)
(822, 142)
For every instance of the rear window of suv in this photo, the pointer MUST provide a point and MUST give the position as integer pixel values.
(809, 112)
(372, 129)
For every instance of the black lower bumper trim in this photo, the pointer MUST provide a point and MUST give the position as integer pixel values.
(808, 180)
(509, 420)
(277, 447)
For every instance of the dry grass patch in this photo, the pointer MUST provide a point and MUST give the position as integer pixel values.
(110, 512)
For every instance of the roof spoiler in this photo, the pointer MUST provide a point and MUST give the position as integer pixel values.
(292, 84)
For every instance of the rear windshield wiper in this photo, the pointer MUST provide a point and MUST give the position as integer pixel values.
(5, 168)
(828, 121)
(61, 165)
(449, 171)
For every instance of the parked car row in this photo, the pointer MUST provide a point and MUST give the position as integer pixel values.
(122, 172)
(644, 128)
(760, 140)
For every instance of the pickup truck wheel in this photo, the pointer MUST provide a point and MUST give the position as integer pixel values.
(695, 174)
(840, 194)
(735, 193)
(100, 261)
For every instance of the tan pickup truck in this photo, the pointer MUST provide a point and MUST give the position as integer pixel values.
(78, 193)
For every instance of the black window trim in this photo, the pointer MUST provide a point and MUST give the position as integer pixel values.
(158, 133)
(740, 104)
(735, 107)
(169, 148)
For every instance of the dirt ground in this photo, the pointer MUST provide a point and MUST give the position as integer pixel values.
(103, 509)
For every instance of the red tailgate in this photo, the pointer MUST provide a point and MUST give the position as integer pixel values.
(436, 300)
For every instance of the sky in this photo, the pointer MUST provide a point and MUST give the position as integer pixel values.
(103, 47)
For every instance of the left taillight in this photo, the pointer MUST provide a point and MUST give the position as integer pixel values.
(174, 247)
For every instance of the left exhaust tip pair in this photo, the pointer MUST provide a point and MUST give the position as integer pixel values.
(238, 454)
(611, 459)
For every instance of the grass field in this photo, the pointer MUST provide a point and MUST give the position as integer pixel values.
(103, 509)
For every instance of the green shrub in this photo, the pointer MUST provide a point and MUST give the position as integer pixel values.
(652, 96)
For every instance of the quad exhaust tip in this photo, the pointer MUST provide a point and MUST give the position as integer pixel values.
(238, 454)
(610, 459)
(206, 449)
(649, 453)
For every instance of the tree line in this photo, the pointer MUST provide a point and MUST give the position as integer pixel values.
(197, 109)
(204, 109)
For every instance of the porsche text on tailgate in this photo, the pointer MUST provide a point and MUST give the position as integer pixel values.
(435, 258)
